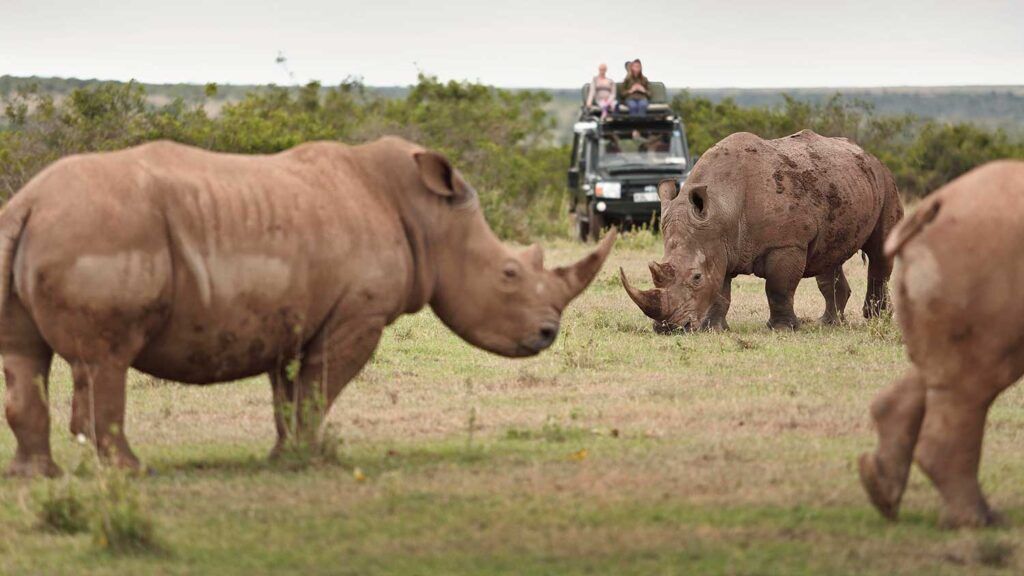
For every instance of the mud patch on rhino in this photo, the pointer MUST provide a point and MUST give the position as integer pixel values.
(862, 164)
(779, 187)
(788, 161)
(804, 182)
(835, 201)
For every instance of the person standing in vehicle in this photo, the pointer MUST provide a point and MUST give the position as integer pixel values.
(602, 92)
(635, 90)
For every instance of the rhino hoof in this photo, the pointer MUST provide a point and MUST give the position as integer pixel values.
(868, 467)
(33, 468)
(827, 320)
(977, 517)
(788, 325)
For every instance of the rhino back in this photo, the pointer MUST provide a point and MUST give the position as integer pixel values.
(805, 190)
(230, 262)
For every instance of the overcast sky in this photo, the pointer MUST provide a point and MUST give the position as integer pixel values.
(520, 43)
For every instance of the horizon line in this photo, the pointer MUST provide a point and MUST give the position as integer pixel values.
(525, 87)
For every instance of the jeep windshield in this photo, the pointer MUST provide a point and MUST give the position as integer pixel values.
(636, 148)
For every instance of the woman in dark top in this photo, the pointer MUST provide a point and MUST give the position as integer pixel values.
(635, 90)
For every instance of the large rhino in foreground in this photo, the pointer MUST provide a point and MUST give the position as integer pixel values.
(204, 267)
(958, 288)
(780, 209)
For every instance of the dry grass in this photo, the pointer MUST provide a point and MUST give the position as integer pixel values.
(618, 451)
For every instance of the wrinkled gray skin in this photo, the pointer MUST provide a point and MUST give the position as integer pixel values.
(782, 210)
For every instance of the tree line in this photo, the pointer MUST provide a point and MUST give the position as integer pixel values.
(501, 139)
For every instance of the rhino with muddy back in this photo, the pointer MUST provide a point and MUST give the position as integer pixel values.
(783, 210)
(203, 267)
(958, 287)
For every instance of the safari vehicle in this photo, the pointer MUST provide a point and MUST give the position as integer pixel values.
(617, 162)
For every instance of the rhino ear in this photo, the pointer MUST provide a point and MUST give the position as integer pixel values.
(668, 189)
(437, 174)
(699, 201)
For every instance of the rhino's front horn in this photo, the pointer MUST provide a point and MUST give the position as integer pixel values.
(649, 301)
(578, 276)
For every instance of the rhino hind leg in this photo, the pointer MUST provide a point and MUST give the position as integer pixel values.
(330, 360)
(836, 291)
(876, 300)
(949, 453)
(27, 360)
(28, 413)
(897, 412)
(98, 407)
(783, 271)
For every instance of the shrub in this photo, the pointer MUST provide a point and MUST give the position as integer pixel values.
(500, 139)
(120, 522)
(61, 510)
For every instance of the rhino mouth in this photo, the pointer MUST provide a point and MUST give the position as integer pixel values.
(540, 341)
(667, 327)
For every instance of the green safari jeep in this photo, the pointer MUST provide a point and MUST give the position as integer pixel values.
(617, 163)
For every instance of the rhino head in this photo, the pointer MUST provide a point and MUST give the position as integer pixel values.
(688, 282)
(500, 300)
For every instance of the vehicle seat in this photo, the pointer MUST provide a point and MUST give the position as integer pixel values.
(657, 103)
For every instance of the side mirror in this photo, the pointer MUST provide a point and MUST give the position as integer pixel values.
(574, 178)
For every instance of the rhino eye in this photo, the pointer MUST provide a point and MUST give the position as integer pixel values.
(697, 277)
(510, 272)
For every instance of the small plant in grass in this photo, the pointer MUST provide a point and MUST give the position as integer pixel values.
(994, 552)
(102, 500)
(471, 424)
(639, 238)
(62, 509)
(552, 431)
(120, 522)
(576, 354)
(883, 328)
(302, 448)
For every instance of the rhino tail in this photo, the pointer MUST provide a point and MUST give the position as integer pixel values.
(911, 226)
(13, 217)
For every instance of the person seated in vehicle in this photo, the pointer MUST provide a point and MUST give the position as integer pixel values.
(635, 90)
(602, 92)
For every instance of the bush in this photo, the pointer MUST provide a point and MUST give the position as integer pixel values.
(120, 523)
(500, 139)
(61, 510)
(922, 155)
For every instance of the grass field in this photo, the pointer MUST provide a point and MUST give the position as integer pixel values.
(616, 452)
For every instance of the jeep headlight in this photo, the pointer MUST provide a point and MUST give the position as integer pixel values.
(611, 190)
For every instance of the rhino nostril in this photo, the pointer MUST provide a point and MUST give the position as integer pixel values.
(548, 333)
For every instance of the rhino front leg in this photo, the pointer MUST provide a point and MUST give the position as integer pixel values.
(783, 270)
(836, 291)
(897, 412)
(329, 362)
(949, 452)
(716, 317)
